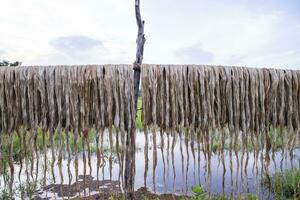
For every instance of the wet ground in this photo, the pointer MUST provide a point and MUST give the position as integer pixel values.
(164, 163)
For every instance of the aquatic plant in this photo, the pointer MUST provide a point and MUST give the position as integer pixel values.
(28, 189)
(4, 194)
(285, 184)
(198, 193)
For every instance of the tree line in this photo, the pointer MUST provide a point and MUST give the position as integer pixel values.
(5, 63)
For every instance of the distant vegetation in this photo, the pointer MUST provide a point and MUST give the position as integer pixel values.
(5, 63)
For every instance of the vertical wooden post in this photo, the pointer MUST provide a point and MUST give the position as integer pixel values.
(130, 138)
(140, 41)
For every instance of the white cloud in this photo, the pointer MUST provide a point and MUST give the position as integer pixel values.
(76, 43)
(230, 32)
(31, 25)
(2, 52)
(194, 55)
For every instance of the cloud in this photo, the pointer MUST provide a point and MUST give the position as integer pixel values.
(1, 52)
(194, 54)
(73, 44)
(93, 31)
(83, 50)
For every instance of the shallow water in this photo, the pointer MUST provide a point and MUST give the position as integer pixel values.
(165, 163)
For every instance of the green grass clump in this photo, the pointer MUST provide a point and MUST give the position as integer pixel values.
(138, 119)
(198, 193)
(286, 185)
(4, 194)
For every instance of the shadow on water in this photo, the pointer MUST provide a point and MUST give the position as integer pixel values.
(164, 163)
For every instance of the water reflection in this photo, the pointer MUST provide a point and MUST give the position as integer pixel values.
(164, 162)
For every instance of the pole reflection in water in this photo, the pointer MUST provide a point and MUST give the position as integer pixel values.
(162, 146)
(146, 146)
(154, 161)
(65, 165)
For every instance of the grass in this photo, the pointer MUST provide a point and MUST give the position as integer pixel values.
(26, 191)
(138, 119)
(199, 194)
(285, 185)
(4, 194)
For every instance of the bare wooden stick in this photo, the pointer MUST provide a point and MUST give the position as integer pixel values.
(140, 41)
(130, 139)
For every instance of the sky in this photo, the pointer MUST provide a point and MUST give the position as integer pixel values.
(256, 33)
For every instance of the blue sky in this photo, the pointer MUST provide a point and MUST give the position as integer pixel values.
(257, 33)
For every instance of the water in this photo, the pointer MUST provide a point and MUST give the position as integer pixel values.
(164, 163)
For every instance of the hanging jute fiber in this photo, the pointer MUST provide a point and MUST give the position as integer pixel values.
(74, 98)
(213, 97)
(78, 98)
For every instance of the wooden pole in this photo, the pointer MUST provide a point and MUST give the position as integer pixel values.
(130, 139)
(140, 41)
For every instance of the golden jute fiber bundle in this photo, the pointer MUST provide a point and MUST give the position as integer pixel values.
(74, 98)
(213, 97)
